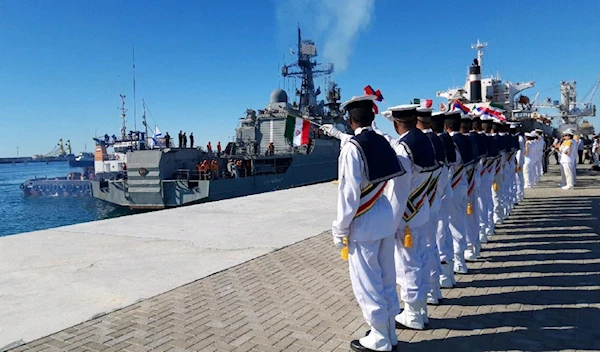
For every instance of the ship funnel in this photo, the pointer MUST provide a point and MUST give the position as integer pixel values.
(475, 82)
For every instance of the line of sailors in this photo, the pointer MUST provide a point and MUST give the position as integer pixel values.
(533, 153)
(413, 208)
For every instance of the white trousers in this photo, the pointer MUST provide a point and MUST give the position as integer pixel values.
(433, 265)
(486, 207)
(443, 234)
(520, 185)
(528, 173)
(374, 279)
(410, 264)
(567, 174)
(458, 221)
(472, 235)
(498, 197)
(574, 171)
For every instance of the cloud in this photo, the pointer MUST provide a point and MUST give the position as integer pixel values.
(334, 22)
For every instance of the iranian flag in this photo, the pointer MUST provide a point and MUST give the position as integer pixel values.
(297, 130)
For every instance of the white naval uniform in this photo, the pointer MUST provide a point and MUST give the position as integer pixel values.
(458, 210)
(370, 243)
(485, 195)
(433, 267)
(498, 194)
(442, 224)
(528, 164)
(519, 175)
(410, 261)
(566, 162)
(472, 235)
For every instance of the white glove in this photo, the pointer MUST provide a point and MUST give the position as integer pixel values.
(338, 242)
(388, 115)
(330, 130)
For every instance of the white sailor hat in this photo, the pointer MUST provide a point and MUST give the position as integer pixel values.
(538, 130)
(405, 112)
(568, 131)
(514, 125)
(486, 117)
(424, 114)
(371, 98)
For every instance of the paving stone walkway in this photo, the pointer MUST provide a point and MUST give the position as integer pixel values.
(537, 288)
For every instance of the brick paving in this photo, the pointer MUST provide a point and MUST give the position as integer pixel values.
(537, 288)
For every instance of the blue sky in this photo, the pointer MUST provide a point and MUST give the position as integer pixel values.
(200, 64)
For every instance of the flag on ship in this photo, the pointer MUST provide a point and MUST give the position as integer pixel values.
(297, 130)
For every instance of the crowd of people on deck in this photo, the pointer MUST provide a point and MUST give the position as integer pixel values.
(413, 209)
(183, 142)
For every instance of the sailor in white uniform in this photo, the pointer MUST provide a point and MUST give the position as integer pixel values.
(435, 192)
(474, 180)
(487, 180)
(520, 160)
(411, 238)
(528, 160)
(365, 221)
(498, 187)
(460, 185)
(567, 154)
(442, 225)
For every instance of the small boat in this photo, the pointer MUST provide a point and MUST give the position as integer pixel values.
(75, 184)
(82, 160)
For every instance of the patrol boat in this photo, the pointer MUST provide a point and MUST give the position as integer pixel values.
(275, 148)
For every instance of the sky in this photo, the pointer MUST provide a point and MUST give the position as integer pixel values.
(201, 64)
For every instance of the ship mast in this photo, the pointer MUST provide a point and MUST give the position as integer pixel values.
(144, 119)
(306, 51)
(123, 110)
(134, 102)
(479, 46)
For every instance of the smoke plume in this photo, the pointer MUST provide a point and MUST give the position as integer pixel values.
(333, 24)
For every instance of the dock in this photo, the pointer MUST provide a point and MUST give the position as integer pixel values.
(260, 273)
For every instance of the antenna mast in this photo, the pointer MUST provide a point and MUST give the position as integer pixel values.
(144, 118)
(123, 110)
(134, 102)
(479, 46)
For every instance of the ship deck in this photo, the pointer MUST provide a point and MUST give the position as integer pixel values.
(249, 274)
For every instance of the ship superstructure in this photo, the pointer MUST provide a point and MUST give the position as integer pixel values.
(269, 152)
(491, 91)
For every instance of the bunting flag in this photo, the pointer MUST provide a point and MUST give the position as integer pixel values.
(458, 106)
(370, 91)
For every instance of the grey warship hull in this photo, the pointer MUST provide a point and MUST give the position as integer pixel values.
(161, 184)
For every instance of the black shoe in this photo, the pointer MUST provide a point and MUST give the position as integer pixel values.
(356, 346)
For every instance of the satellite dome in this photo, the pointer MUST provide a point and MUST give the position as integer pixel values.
(279, 96)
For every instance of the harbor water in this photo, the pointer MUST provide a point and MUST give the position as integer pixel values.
(20, 214)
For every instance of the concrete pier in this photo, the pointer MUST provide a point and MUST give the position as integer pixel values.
(251, 286)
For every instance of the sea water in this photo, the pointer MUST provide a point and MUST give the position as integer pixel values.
(19, 213)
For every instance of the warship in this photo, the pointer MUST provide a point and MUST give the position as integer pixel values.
(494, 93)
(275, 148)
